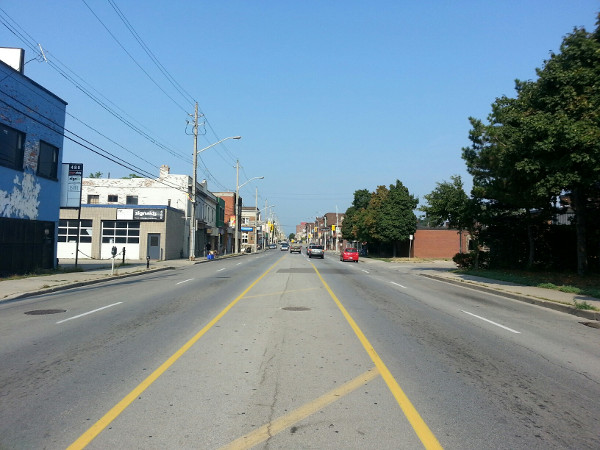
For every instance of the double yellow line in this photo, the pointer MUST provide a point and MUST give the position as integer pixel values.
(427, 438)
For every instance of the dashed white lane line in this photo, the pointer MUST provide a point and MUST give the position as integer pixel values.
(222, 268)
(397, 284)
(89, 312)
(365, 271)
(185, 281)
(493, 323)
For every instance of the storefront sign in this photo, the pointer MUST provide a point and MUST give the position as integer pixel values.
(157, 215)
(70, 185)
(149, 214)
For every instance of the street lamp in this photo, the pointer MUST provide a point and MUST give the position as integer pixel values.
(237, 193)
(266, 242)
(193, 209)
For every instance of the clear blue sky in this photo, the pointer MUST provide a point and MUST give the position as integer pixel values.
(328, 96)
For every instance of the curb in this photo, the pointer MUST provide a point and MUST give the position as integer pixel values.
(83, 283)
(106, 278)
(587, 314)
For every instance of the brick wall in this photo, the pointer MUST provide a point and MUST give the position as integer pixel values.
(438, 243)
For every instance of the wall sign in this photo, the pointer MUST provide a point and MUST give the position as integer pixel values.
(70, 185)
(147, 215)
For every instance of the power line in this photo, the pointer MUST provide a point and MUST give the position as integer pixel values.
(132, 58)
(61, 131)
(151, 55)
(66, 73)
(83, 89)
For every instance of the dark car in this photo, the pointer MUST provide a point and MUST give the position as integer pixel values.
(272, 246)
(349, 254)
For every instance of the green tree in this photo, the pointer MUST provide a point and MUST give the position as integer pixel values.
(95, 175)
(291, 237)
(448, 203)
(567, 100)
(390, 216)
(130, 176)
(544, 143)
(354, 221)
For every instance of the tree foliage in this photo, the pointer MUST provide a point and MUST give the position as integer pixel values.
(448, 204)
(384, 216)
(543, 143)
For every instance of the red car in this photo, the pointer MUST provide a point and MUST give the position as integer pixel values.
(349, 254)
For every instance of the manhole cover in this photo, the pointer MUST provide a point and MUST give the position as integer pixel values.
(296, 308)
(591, 324)
(42, 312)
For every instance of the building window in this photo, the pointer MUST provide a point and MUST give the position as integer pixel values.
(67, 231)
(113, 198)
(93, 199)
(244, 238)
(132, 200)
(120, 232)
(11, 147)
(48, 161)
(245, 220)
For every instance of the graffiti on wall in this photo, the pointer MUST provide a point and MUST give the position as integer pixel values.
(23, 202)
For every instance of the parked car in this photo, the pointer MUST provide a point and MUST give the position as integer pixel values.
(284, 247)
(349, 254)
(272, 246)
(316, 250)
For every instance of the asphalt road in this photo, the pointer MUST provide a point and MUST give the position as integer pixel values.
(278, 351)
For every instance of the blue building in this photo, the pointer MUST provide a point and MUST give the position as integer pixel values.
(32, 123)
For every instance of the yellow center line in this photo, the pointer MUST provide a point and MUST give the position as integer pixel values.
(426, 436)
(111, 415)
(272, 428)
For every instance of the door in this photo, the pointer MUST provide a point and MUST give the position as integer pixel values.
(154, 245)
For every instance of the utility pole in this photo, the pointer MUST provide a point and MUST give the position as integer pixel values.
(237, 193)
(193, 199)
(256, 221)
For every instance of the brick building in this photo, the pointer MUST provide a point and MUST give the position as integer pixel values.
(439, 243)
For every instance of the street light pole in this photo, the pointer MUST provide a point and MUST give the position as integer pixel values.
(237, 193)
(236, 246)
(192, 250)
(256, 221)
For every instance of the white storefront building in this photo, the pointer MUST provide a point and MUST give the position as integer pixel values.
(147, 217)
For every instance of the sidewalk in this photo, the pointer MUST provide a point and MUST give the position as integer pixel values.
(547, 298)
(93, 271)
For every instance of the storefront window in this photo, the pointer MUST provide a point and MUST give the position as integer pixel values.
(120, 232)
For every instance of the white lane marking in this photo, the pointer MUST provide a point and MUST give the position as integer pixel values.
(365, 271)
(222, 268)
(89, 312)
(493, 323)
(238, 264)
(185, 281)
(398, 284)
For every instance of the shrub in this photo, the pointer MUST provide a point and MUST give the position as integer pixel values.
(464, 260)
